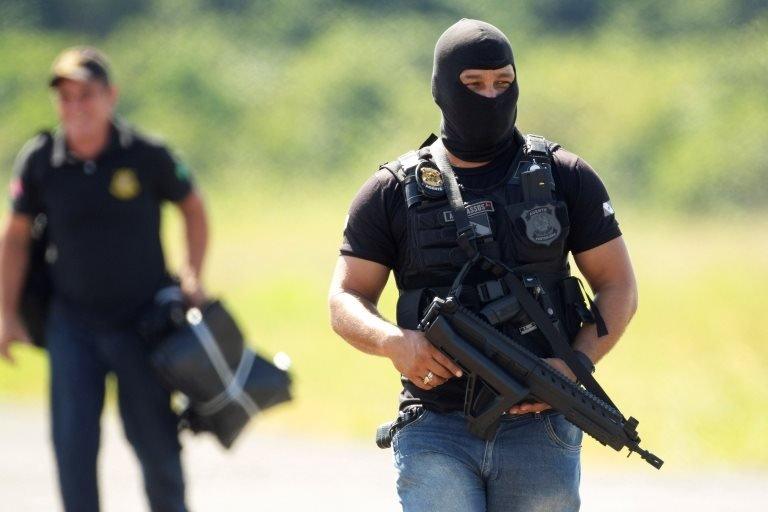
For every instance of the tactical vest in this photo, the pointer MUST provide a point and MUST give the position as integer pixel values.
(521, 222)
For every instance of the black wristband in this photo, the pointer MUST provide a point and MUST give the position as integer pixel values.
(585, 360)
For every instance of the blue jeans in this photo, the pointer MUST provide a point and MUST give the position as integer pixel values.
(80, 359)
(531, 464)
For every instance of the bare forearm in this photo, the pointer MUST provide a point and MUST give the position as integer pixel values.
(617, 305)
(197, 243)
(196, 237)
(359, 322)
(14, 255)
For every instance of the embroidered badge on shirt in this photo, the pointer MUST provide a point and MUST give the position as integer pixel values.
(125, 185)
(608, 209)
(478, 217)
(541, 224)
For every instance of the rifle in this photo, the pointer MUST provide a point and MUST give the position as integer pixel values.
(502, 373)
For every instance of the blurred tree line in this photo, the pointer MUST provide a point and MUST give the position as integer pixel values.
(667, 99)
(652, 17)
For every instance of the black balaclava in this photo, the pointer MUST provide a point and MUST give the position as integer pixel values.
(474, 128)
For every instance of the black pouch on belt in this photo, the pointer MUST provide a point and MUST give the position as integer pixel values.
(577, 313)
(386, 431)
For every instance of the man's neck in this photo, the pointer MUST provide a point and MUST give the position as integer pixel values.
(91, 146)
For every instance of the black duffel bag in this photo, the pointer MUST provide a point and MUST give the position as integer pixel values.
(225, 382)
(36, 292)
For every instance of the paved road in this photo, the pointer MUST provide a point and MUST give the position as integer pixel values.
(268, 472)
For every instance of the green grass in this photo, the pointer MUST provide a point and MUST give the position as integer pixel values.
(692, 367)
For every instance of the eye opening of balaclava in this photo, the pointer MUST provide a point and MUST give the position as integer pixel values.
(474, 128)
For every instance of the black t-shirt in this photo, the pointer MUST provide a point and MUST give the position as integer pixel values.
(103, 219)
(376, 225)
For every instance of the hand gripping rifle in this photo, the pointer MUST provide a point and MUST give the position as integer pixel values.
(509, 373)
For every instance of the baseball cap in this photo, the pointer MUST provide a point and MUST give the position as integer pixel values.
(81, 63)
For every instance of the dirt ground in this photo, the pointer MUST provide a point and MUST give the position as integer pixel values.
(268, 471)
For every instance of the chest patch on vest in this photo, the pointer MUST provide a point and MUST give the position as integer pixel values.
(541, 224)
(125, 184)
(478, 217)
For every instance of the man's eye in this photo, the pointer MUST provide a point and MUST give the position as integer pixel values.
(503, 85)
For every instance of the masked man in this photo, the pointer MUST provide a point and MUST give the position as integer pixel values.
(401, 220)
(100, 184)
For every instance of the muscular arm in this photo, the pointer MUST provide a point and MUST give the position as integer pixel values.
(355, 290)
(608, 270)
(196, 237)
(14, 259)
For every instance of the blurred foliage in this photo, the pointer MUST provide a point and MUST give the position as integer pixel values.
(666, 99)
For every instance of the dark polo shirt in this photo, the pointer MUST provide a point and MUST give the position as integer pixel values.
(103, 219)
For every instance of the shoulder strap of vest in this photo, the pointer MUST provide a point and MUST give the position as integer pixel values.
(38, 155)
(465, 232)
(396, 168)
(41, 164)
(539, 147)
(47, 148)
(538, 151)
(406, 163)
(404, 171)
(536, 146)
